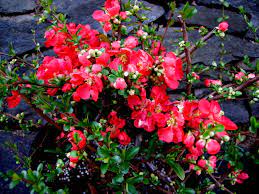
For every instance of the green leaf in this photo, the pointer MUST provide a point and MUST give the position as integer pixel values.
(131, 153)
(40, 167)
(187, 191)
(13, 184)
(177, 169)
(188, 11)
(118, 179)
(112, 78)
(116, 159)
(131, 189)
(219, 128)
(104, 168)
(124, 167)
(103, 152)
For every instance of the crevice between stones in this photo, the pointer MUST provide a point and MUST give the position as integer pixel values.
(17, 13)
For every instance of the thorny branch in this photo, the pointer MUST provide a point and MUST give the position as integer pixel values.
(220, 185)
(240, 87)
(187, 54)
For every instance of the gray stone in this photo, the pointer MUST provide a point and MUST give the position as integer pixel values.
(17, 30)
(79, 11)
(250, 6)
(236, 47)
(208, 17)
(247, 4)
(29, 113)
(7, 162)
(175, 97)
(255, 110)
(202, 92)
(16, 6)
(236, 111)
(153, 14)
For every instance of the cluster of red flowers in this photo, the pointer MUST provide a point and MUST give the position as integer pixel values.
(111, 15)
(82, 57)
(115, 125)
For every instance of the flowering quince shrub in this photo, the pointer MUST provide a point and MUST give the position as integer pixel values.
(106, 96)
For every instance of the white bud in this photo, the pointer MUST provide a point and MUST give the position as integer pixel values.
(212, 133)
(131, 92)
(126, 74)
(136, 8)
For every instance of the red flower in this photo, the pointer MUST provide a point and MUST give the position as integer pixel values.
(91, 85)
(213, 147)
(174, 130)
(124, 139)
(172, 70)
(209, 82)
(77, 139)
(223, 26)
(52, 91)
(14, 100)
(53, 67)
(100, 16)
(112, 7)
(66, 87)
(212, 161)
(120, 84)
(115, 124)
(242, 177)
(73, 157)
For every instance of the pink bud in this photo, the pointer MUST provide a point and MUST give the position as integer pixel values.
(96, 68)
(200, 144)
(213, 147)
(202, 163)
(189, 140)
(120, 84)
(140, 32)
(131, 42)
(123, 15)
(223, 26)
(212, 161)
(116, 45)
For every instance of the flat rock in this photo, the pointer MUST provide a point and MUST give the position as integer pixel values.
(201, 92)
(153, 14)
(79, 11)
(236, 111)
(17, 30)
(247, 4)
(7, 162)
(208, 17)
(255, 110)
(235, 46)
(16, 6)
(250, 6)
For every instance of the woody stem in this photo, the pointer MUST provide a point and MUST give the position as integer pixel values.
(187, 54)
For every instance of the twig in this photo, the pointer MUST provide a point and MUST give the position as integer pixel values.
(220, 185)
(162, 176)
(187, 54)
(167, 26)
(195, 47)
(240, 87)
(40, 112)
(32, 83)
